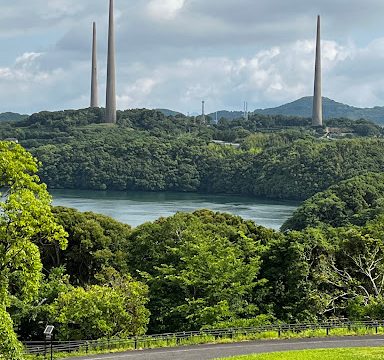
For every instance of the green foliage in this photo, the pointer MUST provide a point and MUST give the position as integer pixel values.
(329, 272)
(260, 140)
(117, 310)
(148, 151)
(30, 318)
(306, 167)
(201, 268)
(126, 160)
(258, 122)
(96, 244)
(25, 218)
(288, 265)
(354, 201)
(10, 348)
(360, 127)
(257, 321)
(9, 116)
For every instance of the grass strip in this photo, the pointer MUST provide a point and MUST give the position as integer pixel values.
(322, 354)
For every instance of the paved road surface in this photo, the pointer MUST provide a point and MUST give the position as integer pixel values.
(207, 352)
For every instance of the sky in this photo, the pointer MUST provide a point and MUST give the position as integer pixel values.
(175, 53)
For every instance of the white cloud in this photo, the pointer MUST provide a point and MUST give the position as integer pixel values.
(5, 73)
(137, 93)
(271, 76)
(24, 68)
(58, 9)
(164, 9)
(27, 57)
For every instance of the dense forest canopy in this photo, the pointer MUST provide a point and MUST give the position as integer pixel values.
(276, 157)
(350, 202)
(94, 277)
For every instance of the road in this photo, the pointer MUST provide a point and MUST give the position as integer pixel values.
(207, 352)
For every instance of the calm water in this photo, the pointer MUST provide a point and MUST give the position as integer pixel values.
(135, 208)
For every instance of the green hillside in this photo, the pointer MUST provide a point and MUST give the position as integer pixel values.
(10, 116)
(331, 109)
(229, 115)
(148, 151)
(168, 112)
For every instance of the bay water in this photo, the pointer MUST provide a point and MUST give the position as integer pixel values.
(135, 208)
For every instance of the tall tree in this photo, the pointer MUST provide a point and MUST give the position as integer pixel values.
(25, 218)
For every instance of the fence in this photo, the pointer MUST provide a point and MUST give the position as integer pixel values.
(175, 339)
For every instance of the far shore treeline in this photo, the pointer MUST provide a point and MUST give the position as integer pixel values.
(278, 157)
(93, 277)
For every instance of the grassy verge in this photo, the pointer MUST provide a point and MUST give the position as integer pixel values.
(324, 354)
(209, 339)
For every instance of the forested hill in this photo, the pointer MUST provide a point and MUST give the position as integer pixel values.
(331, 109)
(168, 112)
(303, 108)
(10, 116)
(276, 157)
(230, 115)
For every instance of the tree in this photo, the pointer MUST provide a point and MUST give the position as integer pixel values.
(214, 277)
(102, 311)
(25, 217)
(10, 348)
(353, 201)
(31, 318)
(95, 243)
(201, 268)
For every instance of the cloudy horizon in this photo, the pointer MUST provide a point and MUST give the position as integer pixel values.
(175, 53)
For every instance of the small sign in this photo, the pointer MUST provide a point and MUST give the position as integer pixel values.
(49, 330)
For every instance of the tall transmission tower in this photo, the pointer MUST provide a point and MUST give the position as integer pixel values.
(203, 111)
(246, 114)
(94, 87)
(110, 108)
(317, 114)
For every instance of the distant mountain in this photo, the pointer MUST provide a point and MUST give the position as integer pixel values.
(168, 112)
(10, 116)
(331, 109)
(230, 115)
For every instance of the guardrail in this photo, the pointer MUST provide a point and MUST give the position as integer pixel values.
(175, 339)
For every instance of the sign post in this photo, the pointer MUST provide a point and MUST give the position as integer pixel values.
(48, 332)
